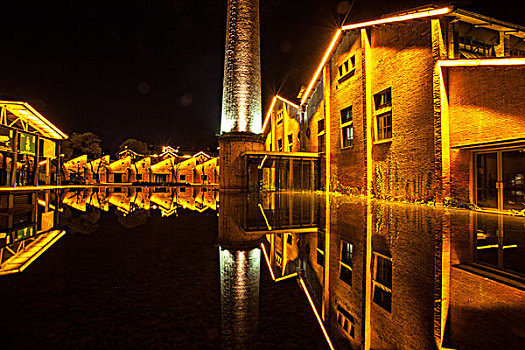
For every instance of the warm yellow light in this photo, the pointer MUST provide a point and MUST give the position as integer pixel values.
(42, 202)
(415, 15)
(267, 261)
(269, 113)
(265, 218)
(43, 162)
(321, 65)
(482, 62)
(316, 313)
(286, 277)
(286, 101)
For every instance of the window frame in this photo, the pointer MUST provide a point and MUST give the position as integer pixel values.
(346, 69)
(347, 124)
(280, 116)
(343, 315)
(321, 133)
(378, 284)
(344, 264)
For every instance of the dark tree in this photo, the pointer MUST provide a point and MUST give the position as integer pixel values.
(80, 144)
(135, 145)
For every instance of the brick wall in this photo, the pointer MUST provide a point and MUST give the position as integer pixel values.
(402, 59)
(486, 104)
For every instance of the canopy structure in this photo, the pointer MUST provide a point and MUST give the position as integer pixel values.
(21, 115)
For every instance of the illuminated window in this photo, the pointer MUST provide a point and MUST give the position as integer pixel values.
(383, 99)
(345, 321)
(159, 178)
(347, 127)
(290, 142)
(384, 126)
(346, 70)
(382, 281)
(345, 263)
(280, 145)
(320, 248)
(182, 178)
(280, 116)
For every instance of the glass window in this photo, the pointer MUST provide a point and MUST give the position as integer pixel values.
(383, 99)
(513, 165)
(346, 321)
(320, 248)
(384, 126)
(348, 136)
(280, 145)
(345, 262)
(383, 282)
(486, 180)
(320, 125)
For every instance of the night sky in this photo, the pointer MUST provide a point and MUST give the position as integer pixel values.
(152, 70)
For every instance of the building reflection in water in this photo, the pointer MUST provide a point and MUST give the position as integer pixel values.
(240, 270)
(380, 275)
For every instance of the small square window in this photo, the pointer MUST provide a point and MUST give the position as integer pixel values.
(182, 178)
(139, 177)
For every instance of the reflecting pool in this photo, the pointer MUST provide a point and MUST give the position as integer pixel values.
(189, 267)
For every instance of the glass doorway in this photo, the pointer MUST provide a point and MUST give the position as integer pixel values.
(500, 179)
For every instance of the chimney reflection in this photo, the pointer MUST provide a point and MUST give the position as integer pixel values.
(240, 270)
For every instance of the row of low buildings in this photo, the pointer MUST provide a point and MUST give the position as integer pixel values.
(131, 168)
(427, 104)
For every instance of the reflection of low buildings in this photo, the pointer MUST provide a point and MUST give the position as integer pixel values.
(27, 230)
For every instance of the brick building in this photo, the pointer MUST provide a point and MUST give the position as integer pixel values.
(428, 104)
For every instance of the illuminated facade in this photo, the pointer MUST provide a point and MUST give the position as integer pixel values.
(166, 168)
(424, 105)
(29, 145)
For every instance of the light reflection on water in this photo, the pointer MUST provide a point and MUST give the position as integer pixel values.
(383, 275)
